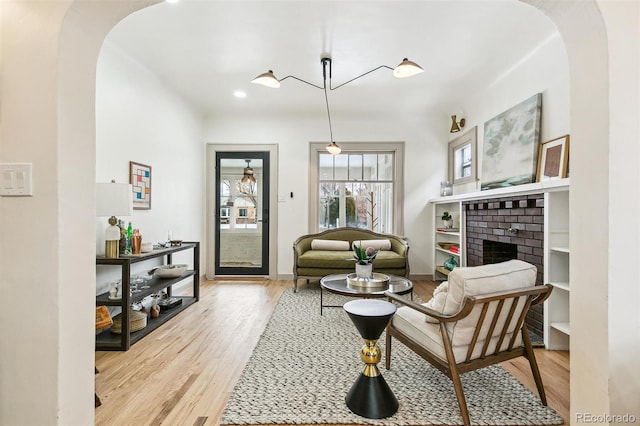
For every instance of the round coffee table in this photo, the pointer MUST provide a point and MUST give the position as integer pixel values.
(338, 284)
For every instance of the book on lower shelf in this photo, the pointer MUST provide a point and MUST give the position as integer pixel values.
(442, 270)
(448, 229)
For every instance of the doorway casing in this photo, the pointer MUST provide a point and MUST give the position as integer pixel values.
(210, 229)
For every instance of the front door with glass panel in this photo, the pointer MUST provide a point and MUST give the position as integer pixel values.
(242, 213)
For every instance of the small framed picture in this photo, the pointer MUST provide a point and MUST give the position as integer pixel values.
(553, 159)
(140, 180)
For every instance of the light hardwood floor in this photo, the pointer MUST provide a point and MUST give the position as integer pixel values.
(183, 372)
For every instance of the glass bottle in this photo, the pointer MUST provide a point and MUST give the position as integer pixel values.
(129, 235)
(123, 237)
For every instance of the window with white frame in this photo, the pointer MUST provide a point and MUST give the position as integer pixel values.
(358, 187)
(462, 158)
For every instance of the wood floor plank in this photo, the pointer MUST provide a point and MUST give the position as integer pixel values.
(183, 372)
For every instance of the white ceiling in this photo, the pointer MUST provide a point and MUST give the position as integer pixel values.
(206, 50)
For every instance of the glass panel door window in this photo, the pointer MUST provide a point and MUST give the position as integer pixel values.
(356, 190)
(241, 237)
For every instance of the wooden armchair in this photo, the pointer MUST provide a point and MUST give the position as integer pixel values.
(484, 329)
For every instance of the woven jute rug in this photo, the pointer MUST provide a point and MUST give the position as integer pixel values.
(304, 364)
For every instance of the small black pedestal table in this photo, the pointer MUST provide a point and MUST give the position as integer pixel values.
(370, 396)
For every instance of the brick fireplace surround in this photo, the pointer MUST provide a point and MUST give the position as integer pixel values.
(513, 220)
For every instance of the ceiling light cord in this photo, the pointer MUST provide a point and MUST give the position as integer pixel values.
(326, 98)
(354, 78)
(325, 62)
(303, 81)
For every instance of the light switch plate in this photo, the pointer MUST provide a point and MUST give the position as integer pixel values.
(16, 180)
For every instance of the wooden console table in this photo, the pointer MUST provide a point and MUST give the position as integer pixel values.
(108, 341)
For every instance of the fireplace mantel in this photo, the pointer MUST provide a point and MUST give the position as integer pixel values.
(511, 191)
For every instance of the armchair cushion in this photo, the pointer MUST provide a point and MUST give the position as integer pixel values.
(472, 281)
(437, 301)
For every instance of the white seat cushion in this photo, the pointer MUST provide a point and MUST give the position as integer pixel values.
(426, 334)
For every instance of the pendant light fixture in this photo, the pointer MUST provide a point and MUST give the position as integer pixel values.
(406, 68)
(248, 174)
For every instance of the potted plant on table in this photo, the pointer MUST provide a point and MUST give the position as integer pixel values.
(364, 260)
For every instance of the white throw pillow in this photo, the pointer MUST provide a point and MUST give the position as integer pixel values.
(330, 245)
(437, 301)
(376, 244)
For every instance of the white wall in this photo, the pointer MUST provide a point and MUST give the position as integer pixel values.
(546, 71)
(425, 138)
(623, 32)
(139, 118)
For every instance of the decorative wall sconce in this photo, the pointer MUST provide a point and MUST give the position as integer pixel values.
(456, 126)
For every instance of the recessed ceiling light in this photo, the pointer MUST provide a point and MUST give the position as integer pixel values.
(172, 1)
(240, 94)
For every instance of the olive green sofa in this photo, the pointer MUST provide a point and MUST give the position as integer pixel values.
(330, 252)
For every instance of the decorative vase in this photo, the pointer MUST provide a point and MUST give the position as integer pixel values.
(364, 271)
(155, 308)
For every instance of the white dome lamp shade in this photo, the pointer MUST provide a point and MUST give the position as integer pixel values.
(407, 68)
(267, 79)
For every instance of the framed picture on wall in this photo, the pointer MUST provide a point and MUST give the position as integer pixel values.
(140, 180)
(553, 159)
(510, 147)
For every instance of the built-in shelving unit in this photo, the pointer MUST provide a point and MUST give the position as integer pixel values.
(108, 341)
(556, 270)
(445, 235)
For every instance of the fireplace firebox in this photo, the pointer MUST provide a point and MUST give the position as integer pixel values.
(501, 229)
(496, 252)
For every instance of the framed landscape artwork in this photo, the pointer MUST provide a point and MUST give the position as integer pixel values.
(553, 159)
(510, 149)
(140, 180)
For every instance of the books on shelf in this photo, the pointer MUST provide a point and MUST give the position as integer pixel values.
(448, 229)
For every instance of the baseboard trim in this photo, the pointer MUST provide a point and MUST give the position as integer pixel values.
(421, 277)
(417, 277)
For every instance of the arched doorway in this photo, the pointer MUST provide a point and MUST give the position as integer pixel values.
(66, 374)
(593, 149)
